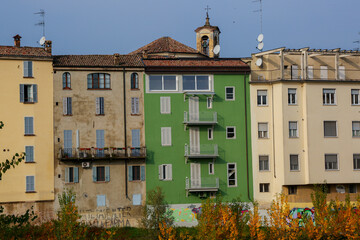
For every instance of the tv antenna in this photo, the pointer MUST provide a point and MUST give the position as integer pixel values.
(358, 44)
(41, 22)
(260, 11)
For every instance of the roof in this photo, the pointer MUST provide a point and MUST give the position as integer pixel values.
(97, 61)
(165, 44)
(23, 52)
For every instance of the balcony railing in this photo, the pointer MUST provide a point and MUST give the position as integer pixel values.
(202, 151)
(200, 118)
(204, 184)
(101, 153)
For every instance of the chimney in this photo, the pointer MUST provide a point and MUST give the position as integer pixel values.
(116, 59)
(17, 40)
(48, 46)
(144, 54)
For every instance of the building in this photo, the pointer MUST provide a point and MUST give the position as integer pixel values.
(305, 123)
(99, 136)
(26, 111)
(197, 122)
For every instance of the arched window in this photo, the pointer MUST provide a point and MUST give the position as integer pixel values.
(66, 80)
(134, 81)
(98, 81)
(205, 45)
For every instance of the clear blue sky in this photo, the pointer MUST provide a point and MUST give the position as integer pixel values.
(121, 26)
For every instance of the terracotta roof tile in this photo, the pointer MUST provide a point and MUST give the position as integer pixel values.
(165, 44)
(23, 51)
(97, 61)
(195, 62)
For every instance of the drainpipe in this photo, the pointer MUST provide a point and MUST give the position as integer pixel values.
(246, 142)
(125, 136)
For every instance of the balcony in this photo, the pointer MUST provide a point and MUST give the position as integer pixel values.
(200, 118)
(202, 151)
(101, 153)
(204, 184)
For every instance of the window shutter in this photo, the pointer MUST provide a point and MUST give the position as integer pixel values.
(130, 173)
(293, 125)
(165, 106)
(70, 105)
(162, 136)
(26, 119)
(107, 173)
(29, 152)
(169, 172)
(67, 175)
(137, 105)
(101, 110)
(160, 172)
(142, 173)
(21, 92)
(26, 69)
(342, 72)
(30, 69)
(94, 174)
(30, 125)
(35, 92)
(294, 72)
(356, 125)
(65, 106)
(262, 127)
(97, 106)
(76, 174)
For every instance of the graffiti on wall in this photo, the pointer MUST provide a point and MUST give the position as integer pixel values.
(107, 217)
(188, 214)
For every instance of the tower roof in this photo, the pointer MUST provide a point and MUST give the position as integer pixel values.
(207, 25)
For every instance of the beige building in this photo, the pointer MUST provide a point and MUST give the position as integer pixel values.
(99, 135)
(305, 117)
(26, 109)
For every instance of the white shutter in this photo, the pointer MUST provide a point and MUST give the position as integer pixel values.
(65, 106)
(166, 136)
(160, 172)
(165, 105)
(263, 127)
(342, 72)
(136, 105)
(169, 172)
(97, 106)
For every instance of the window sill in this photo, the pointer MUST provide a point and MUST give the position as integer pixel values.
(356, 136)
(28, 102)
(294, 104)
(330, 136)
(67, 89)
(357, 170)
(29, 135)
(99, 89)
(355, 104)
(70, 183)
(232, 186)
(101, 182)
(30, 192)
(230, 138)
(229, 99)
(329, 105)
(136, 181)
(332, 170)
(135, 89)
(294, 170)
(99, 114)
(28, 77)
(262, 105)
(264, 138)
(31, 162)
(264, 170)
(67, 115)
(293, 137)
(135, 114)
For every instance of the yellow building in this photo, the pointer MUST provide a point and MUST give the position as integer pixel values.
(305, 117)
(27, 112)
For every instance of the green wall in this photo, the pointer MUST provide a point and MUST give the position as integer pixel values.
(229, 113)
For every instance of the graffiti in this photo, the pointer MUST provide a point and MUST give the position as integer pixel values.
(183, 215)
(115, 217)
(301, 214)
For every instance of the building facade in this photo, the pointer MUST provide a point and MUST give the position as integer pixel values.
(26, 107)
(305, 123)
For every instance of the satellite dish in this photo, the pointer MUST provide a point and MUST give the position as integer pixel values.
(42, 41)
(260, 46)
(259, 62)
(216, 50)
(260, 38)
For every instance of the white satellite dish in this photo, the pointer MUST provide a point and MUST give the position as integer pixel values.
(259, 62)
(260, 46)
(42, 41)
(216, 50)
(260, 38)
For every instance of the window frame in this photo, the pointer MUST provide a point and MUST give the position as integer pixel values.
(292, 131)
(26, 184)
(329, 96)
(100, 106)
(298, 163)
(292, 190)
(196, 76)
(227, 132)
(165, 170)
(355, 132)
(134, 81)
(162, 83)
(210, 133)
(98, 87)
(292, 96)
(262, 166)
(66, 77)
(356, 161)
(233, 93)
(135, 106)
(264, 134)
(30, 70)
(211, 167)
(355, 97)
(71, 175)
(163, 138)
(96, 178)
(264, 187)
(229, 173)
(209, 102)
(67, 106)
(262, 97)
(326, 163)
(33, 92)
(336, 130)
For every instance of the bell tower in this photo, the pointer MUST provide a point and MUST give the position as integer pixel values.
(207, 37)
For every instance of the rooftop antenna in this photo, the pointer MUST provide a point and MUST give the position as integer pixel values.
(358, 44)
(41, 22)
(260, 11)
(260, 37)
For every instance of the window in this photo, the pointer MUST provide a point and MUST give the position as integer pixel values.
(29, 125)
(67, 106)
(263, 130)
(264, 187)
(196, 83)
(229, 93)
(294, 162)
(264, 163)
(101, 200)
(68, 143)
(98, 81)
(134, 81)
(323, 72)
(101, 174)
(99, 106)
(210, 134)
(134, 105)
(162, 83)
(310, 72)
(71, 175)
(331, 162)
(293, 129)
(352, 188)
(166, 136)
(165, 172)
(232, 179)
(230, 132)
(211, 168)
(29, 154)
(356, 128)
(136, 173)
(165, 105)
(292, 96)
(294, 72)
(209, 102)
(28, 69)
(355, 99)
(30, 183)
(66, 80)
(328, 96)
(100, 143)
(292, 190)
(262, 97)
(356, 159)
(342, 72)
(28, 93)
(330, 129)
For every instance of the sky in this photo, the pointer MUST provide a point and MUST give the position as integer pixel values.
(122, 26)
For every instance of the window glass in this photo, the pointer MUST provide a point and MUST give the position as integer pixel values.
(231, 174)
(202, 82)
(100, 174)
(331, 162)
(356, 128)
(263, 163)
(355, 98)
(169, 82)
(262, 97)
(294, 162)
(230, 132)
(155, 82)
(188, 82)
(229, 93)
(356, 158)
(134, 81)
(330, 129)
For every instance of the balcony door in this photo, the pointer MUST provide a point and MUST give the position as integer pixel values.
(135, 142)
(100, 142)
(194, 109)
(68, 143)
(194, 140)
(195, 174)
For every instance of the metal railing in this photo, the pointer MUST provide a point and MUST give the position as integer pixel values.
(202, 184)
(101, 153)
(204, 150)
(200, 118)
